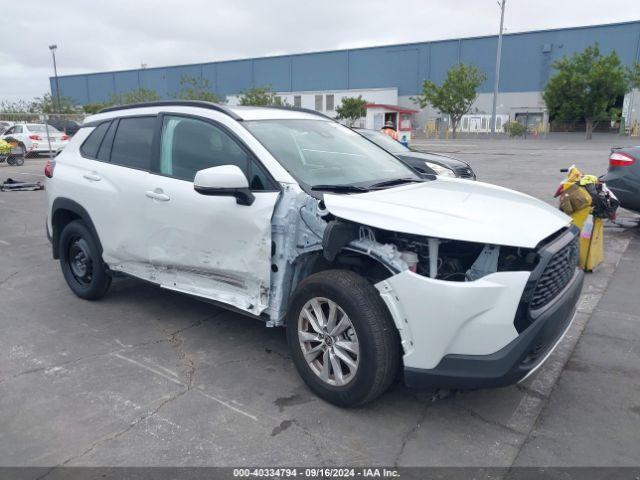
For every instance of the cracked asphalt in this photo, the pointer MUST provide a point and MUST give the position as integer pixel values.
(147, 377)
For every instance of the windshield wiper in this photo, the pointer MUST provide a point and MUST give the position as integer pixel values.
(395, 181)
(339, 188)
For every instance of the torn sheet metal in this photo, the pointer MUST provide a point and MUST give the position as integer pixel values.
(297, 229)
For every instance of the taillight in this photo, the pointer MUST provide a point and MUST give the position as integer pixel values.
(64, 137)
(35, 137)
(619, 159)
(48, 168)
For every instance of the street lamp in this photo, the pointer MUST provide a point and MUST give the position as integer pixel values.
(55, 72)
(497, 76)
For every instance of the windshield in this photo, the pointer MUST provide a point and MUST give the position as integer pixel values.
(385, 141)
(319, 152)
(38, 128)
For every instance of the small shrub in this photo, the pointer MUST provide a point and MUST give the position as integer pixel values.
(514, 129)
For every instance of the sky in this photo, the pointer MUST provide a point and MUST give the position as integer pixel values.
(101, 35)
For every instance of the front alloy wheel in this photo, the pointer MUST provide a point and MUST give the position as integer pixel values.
(328, 341)
(342, 339)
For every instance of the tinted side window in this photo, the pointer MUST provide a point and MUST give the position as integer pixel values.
(92, 143)
(105, 148)
(133, 141)
(189, 145)
(17, 129)
(258, 179)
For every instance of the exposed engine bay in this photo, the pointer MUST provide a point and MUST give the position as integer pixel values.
(307, 238)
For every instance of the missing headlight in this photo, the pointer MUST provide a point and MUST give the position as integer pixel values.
(458, 261)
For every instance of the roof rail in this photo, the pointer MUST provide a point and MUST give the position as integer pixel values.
(300, 109)
(176, 103)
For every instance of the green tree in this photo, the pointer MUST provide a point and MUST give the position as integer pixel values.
(195, 88)
(351, 109)
(261, 97)
(92, 108)
(586, 85)
(456, 94)
(18, 106)
(49, 104)
(138, 95)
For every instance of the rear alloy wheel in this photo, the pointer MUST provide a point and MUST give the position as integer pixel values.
(343, 341)
(81, 262)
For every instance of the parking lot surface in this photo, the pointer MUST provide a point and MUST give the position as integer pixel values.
(150, 377)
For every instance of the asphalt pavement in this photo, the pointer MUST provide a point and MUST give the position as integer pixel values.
(150, 377)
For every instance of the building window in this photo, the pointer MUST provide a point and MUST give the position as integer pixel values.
(277, 99)
(297, 101)
(328, 102)
(465, 123)
(484, 123)
(498, 123)
(319, 103)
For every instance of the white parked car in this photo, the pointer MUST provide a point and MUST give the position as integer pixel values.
(289, 217)
(4, 125)
(34, 137)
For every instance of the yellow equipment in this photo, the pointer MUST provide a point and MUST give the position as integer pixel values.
(591, 238)
(577, 202)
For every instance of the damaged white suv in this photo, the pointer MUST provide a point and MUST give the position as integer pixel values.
(288, 216)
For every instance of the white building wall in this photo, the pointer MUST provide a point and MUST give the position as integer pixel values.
(631, 108)
(509, 103)
(308, 98)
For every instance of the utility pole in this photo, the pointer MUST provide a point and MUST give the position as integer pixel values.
(55, 72)
(497, 76)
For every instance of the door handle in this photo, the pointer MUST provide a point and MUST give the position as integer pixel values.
(157, 194)
(93, 176)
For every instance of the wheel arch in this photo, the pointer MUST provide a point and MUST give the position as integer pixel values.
(64, 211)
(365, 264)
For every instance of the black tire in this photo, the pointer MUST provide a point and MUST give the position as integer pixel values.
(15, 161)
(81, 262)
(377, 336)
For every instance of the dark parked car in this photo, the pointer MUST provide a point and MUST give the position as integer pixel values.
(69, 127)
(424, 162)
(623, 176)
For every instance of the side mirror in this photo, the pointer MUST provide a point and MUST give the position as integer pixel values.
(224, 181)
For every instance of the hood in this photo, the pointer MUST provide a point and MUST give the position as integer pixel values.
(435, 158)
(453, 209)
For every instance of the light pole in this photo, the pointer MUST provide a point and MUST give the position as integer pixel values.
(55, 72)
(497, 76)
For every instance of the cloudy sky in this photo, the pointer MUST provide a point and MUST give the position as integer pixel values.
(100, 35)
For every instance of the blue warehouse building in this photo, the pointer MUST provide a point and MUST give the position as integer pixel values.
(389, 74)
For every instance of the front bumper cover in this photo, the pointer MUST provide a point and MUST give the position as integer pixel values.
(514, 361)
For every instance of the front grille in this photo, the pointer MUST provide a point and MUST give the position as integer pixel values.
(556, 275)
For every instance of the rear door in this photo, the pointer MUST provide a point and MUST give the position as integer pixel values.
(112, 178)
(203, 245)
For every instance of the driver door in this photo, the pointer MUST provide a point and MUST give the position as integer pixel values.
(209, 246)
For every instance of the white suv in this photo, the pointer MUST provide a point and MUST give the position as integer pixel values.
(288, 216)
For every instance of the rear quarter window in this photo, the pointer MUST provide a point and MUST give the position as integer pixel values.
(92, 143)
